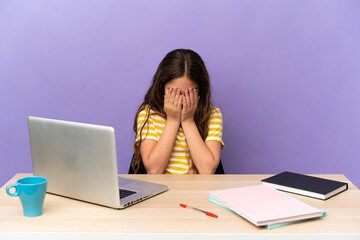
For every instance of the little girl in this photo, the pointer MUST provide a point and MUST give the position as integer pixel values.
(178, 131)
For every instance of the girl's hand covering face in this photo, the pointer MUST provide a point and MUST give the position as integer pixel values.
(189, 104)
(173, 104)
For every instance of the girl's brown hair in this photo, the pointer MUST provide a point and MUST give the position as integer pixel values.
(177, 63)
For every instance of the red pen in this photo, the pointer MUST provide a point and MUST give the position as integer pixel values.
(196, 209)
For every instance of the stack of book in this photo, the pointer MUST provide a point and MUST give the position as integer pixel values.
(263, 205)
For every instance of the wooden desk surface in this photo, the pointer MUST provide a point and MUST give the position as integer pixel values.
(162, 217)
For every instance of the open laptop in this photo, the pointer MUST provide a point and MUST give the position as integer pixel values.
(79, 161)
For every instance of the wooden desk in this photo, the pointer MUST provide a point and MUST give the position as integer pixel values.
(161, 217)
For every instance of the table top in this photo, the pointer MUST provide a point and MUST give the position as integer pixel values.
(162, 213)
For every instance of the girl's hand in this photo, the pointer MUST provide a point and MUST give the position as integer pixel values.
(173, 104)
(190, 103)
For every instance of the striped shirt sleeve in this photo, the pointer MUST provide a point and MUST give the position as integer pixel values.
(215, 127)
(148, 129)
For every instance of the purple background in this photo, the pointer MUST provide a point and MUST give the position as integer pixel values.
(286, 74)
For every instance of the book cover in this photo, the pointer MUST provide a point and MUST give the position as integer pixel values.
(263, 205)
(270, 226)
(306, 185)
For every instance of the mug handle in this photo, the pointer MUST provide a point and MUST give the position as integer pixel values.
(16, 193)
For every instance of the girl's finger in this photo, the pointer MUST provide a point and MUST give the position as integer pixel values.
(180, 102)
(185, 104)
(178, 93)
(187, 98)
(192, 99)
(195, 93)
(166, 100)
(196, 96)
(177, 96)
(172, 95)
(168, 92)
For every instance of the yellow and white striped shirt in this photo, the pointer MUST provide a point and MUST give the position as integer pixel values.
(180, 160)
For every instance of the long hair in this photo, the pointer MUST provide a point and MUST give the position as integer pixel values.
(177, 63)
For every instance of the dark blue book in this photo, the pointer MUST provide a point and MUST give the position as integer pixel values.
(315, 187)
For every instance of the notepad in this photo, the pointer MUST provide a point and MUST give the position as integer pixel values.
(263, 205)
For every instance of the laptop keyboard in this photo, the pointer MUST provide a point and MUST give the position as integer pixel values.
(125, 193)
